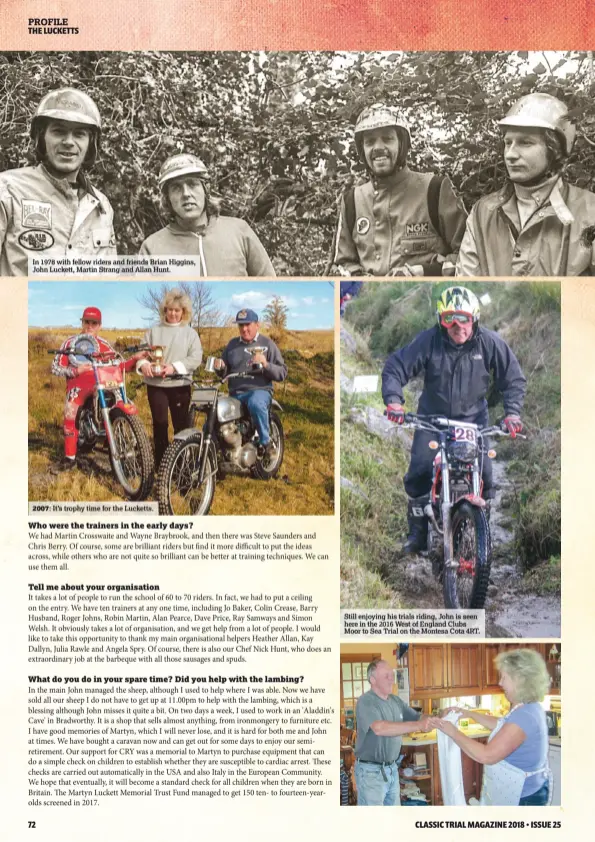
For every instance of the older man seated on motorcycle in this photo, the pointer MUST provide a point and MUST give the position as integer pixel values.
(79, 378)
(259, 359)
(457, 357)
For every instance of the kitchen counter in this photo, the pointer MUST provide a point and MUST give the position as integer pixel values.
(430, 738)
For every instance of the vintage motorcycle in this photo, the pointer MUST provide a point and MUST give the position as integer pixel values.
(108, 416)
(226, 444)
(459, 540)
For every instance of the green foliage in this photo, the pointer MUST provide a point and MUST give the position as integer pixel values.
(276, 129)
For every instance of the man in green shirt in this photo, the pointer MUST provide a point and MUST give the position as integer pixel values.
(382, 719)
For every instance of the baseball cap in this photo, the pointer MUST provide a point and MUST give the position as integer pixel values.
(244, 317)
(92, 313)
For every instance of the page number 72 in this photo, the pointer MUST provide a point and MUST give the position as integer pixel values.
(31, 824)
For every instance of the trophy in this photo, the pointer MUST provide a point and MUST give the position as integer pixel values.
(253, 350)
(156, 359)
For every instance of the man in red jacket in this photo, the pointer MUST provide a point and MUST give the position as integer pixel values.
(80, 380)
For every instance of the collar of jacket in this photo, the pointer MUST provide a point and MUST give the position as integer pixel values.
(64, 186)
(393, 180)
(176, 229)
(556, 200)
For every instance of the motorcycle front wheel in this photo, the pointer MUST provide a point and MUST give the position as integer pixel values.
(267, 467)
(466, 585)
(179, 488)
(133, 463)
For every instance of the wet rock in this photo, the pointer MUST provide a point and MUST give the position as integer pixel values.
(348, 340)
(375, 422)
(418, 576)
(527, 615)
(351, 486)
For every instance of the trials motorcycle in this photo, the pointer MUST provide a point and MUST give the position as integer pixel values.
(226, 444)
(108, 416)
(459, 540)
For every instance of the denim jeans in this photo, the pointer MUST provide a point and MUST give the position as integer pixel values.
(372, 789)
(258, 402)
(537, 799)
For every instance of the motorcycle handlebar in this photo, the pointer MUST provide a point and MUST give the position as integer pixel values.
(429, 422)
(219, 380)
(94, 356)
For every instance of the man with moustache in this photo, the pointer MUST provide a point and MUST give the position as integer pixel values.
(53, 209)
(381, 720)
(224, 245)
(537, 224)
(457, 358)
(399, 222)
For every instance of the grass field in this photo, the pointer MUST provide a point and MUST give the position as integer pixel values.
(305, 484)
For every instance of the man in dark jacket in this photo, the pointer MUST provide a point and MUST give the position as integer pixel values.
(258, 357)
(457, 357)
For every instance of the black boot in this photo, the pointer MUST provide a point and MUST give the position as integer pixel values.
(417, 540)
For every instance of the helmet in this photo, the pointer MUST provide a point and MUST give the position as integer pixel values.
(378, 116)
(542, 111)
(181, 164)
(458, 300)
(68, 104)
(74, 107)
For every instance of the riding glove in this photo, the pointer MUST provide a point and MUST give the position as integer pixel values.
(395, 412)
(513, 424)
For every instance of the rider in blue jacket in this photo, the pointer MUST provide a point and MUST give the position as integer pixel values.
(457, 358)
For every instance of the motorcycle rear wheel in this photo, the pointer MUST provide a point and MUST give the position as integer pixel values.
(133, 466)
(178, 490)
(268, 467)
(466, 586)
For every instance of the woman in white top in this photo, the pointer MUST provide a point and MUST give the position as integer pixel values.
(182, 354)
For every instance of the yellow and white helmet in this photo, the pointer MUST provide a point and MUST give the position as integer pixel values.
(542, 111)
(457, 300)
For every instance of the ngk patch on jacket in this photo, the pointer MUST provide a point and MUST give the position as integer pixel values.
(392, 225)
(456, 377)
(43, 215)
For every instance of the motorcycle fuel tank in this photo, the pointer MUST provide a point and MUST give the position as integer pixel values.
(228, 409)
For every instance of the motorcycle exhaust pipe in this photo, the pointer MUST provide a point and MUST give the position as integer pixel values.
(429, 513)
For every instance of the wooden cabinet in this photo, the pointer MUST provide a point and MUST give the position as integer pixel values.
(489, 673)
(435, 669)
(464, 669)
(436, 782)
(428, 669)
(472, 776)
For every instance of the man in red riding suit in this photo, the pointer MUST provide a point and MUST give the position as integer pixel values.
(80, 380)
